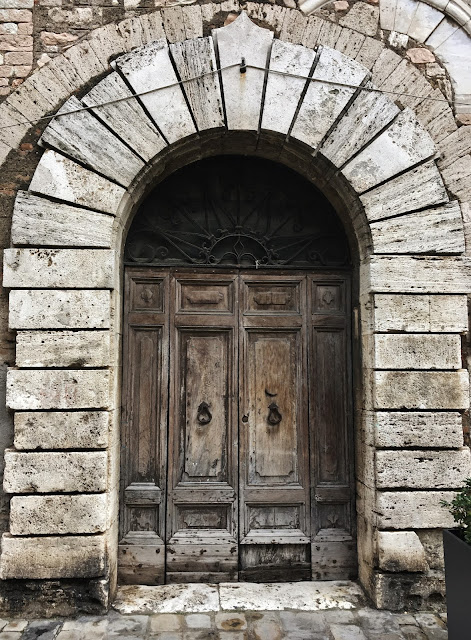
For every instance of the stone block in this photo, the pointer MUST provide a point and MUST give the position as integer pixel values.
(417, 274)
(58, 515)
(431, 231)
(55, 472)
(61, 178)
(454, 146)
(424, 469)
(413, 509)
(58, 268)
(363, 17)
(400, 551)
(61, 430)
(398, 351)
(419, 429)
(63, 349)
(45, 309)
(38, 221)
(402, 145)
(421, 313)
(29, 389)
(432, 542)
(457, 177)
(422, 390)
(51, 557)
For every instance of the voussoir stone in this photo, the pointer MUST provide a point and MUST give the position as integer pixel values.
(422, 469)
(58, 514)
(50, 557)
(52, 309)
(419, 429)
(413, 509)
(63, 349)
(401, 551)
(422, 389)
(55, 472)
(58, 268)
(29, 389)
(61, 429)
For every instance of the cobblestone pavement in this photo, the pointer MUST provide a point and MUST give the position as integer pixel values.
(334, 624)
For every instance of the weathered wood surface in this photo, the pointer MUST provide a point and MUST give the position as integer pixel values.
(399, 429)
(195, 58)
(55, 472)
(282, 91)
(58, 389)
(418, 188)
(422, 390)
(52, 309)
(38, 221)
(243, 91)
(369, 113)
(433, 351)
(150, 69)
(404, 274)
(421, 313)
(83, 137)
(438, 230)
(61, 429)
(402, 145)
(61, 178)
(63, 349)
(323, 101)
(126, 118)
(58, 268)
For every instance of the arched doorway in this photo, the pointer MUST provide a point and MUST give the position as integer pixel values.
(236, 442)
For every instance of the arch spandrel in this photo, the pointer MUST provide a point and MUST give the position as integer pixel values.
(93, 164)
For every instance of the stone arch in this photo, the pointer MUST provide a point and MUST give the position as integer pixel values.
(64, 276)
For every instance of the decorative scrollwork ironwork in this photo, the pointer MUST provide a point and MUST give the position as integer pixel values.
(237, 211)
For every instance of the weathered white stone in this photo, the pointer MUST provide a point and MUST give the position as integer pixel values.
(385, 64)
(150, 69)
(369, 52)
(38, 221)
(438, 230)
(420, 187)
(283, 91)
(324, 101)
(58, 515)
(126, 117)
(454, 53)
(387, 14)
(195, 58)
(413, 509)
(401, 146)
(422, 469)
(436, 116)
(293, 27)
(425, 20)
(400, 551)
(56, 268)
(45, 309)
(55, 472)
(53, 557)
(173, 24)
(422, 390)
(421, 313)
(405, 11)
(59, 177)
(362, 17)
(169, 598)
(81, 136)
(426, 351)
(193, 21)
(61, 430)
(454, 146)
(420, 274)
(350, 42)
(14, 126)
(106, 42)
(58, 389)
(407, 85)
(242, 91)
(30, 102)
(457, 177)
(329, 34)
(445, 29)
(55, 90)
(369, 113)
(400, 429)
(63, 349)
(84, 59)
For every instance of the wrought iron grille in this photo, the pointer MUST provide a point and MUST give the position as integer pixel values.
(240, 212)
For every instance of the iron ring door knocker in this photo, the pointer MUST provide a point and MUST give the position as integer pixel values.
(204, 415)
(274, 415)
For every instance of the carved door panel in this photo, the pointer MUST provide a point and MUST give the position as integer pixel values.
(202, 504)
(144, 428)
(274, 460)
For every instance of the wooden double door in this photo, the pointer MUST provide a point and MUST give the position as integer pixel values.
(236, 455)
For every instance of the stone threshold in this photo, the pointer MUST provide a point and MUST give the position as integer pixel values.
(239, 596)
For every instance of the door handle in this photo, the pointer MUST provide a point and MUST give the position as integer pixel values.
(274, 416)
(203, 414)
